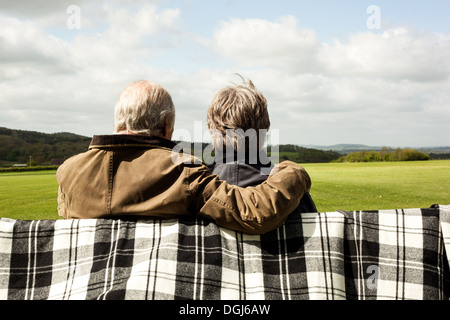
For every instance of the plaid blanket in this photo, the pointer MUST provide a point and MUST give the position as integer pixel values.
(390, 254)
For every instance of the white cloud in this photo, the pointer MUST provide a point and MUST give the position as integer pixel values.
(23, 43)
(400, 53)
(386, 85)
(50, 81)
(381, 87)
(256, 42)
(34, 8)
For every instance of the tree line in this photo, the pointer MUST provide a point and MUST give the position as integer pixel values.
(36, 149)
(305, 155)
(385, 154)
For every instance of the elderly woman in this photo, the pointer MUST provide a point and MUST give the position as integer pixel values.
(238, 121)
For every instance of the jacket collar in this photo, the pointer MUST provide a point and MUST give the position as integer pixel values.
(258, 159)
(240, 170)
(123, 140)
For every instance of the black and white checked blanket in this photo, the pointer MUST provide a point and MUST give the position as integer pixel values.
(386, 254)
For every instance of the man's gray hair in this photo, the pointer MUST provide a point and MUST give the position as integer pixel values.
(144, 108)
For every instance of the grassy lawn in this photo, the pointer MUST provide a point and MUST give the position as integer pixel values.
(379, 185)
(336, 186)
(29, 195)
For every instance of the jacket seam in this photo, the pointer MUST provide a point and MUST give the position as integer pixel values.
(148, 146)
(222, 203)
(243, 218)
(110, 184)
(187, 182)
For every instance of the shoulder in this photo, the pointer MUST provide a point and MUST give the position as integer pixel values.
(76, 162)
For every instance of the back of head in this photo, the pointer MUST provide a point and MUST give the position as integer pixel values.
(144, 108)
(237, 113)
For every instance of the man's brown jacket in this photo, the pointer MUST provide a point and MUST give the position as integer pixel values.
(126, 175)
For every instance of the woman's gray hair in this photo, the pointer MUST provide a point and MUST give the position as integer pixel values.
(144, 108)
(238, 112)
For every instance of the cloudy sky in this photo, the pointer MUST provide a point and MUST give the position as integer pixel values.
(370, 72)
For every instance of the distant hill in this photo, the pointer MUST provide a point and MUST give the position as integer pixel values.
(349, 148)
(305, 155)
(21, 146)
(16, 147)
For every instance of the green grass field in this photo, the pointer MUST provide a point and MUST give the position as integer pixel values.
(380, 185)
(336, 186)
(29, 195)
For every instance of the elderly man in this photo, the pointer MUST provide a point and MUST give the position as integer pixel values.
(238, 121)
(134, 173)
